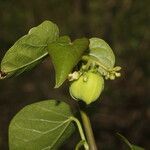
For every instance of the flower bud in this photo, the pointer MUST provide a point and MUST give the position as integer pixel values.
(87, 90)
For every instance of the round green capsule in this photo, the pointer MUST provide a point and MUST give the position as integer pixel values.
(88, 87)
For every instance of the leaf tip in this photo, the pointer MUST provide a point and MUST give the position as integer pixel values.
(2, 75)
(57, 85)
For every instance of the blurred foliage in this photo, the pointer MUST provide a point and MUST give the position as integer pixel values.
(125, 107)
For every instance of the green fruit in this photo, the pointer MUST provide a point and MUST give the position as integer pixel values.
(88, 87)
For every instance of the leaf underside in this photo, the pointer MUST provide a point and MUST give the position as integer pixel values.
(29, 50)
(41, 126)
(65, 56)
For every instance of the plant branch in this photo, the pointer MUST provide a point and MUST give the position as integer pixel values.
(88, 130)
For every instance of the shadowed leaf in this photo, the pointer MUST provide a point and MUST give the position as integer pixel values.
(131, 146)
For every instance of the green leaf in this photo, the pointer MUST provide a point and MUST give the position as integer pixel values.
(102, 56)
(65, 56)
(41, 126)
(102, 52)
(131, 146)
(135, 147)
(29, 50)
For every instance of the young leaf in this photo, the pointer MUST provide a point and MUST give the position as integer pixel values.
(65, 55)
(102, 51)
(29, 50)
(131, 146)
(103, 57)
(41, 126)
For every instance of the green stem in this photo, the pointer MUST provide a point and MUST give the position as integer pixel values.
(86, 146)
(80, 144)
(88, 130)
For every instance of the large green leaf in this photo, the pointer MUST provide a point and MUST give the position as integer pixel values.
(41, 126)
(65, 55)
(29, 50)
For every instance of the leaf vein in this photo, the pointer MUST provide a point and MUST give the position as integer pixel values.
(53, 144)
(28, 63)
(50, 110)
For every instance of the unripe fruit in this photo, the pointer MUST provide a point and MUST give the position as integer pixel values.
(87, 88)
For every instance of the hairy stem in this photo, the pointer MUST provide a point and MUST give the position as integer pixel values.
(88, 130)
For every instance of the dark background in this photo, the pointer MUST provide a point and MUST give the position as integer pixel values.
(125, 105)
